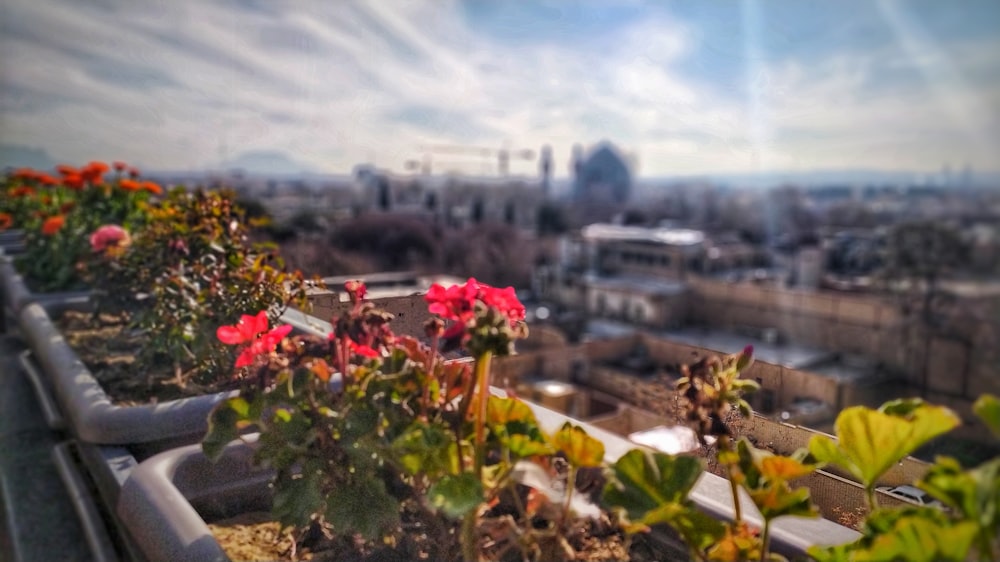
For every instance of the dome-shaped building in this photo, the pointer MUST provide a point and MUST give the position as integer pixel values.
(602, 175)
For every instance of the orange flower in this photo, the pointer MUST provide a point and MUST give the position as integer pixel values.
(53, 224)
(25, 174)
(152, 187)
(98, 167)
(6, 221)
(46, 179)
(74, 182)
(22, 191)
(129, 185)
(94, 172)
(67, 170)
(119, 166)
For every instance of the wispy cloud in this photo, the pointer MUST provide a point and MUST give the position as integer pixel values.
(688, 90)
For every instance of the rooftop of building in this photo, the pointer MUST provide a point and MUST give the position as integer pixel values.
(654, 235)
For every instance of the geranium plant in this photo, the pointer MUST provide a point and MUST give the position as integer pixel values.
(377, 435)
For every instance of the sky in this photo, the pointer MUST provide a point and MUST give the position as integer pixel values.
(685, 87)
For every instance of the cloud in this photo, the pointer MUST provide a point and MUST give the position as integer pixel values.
(188, 84)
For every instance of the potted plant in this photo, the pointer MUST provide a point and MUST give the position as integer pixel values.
(364, 436)
(52, 215)
(370, 435)
(159, 291)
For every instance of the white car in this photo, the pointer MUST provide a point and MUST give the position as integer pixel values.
(912, 495)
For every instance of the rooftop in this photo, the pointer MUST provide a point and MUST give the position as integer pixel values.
(657, 235)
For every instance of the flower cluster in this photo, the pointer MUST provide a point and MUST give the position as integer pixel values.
(108, 238)
(484, 318)
(59, 211)
(251, 332)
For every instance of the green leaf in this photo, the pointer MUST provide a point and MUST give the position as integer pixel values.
(524, 446)
(645, 482)
(223, 426)
(581, 450)
(918, 539)
(297, 498)
(362, 507)
(974, 494)
(456, 495)
(427, 449)
(501, 411)
(871, 441)
(987, 407)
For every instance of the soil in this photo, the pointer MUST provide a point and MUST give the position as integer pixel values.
(108, 348)
(256, 536)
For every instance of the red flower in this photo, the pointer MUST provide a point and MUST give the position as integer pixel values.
(129, 185)
(73, 181)
(356, 289)
(25, 174)
(363, 350)
(98, 167)
(109, 236)
(22, 191)
(458, 301)
(53, 224)
(119, 166)
(6, 221)
(252, 330)
(133, 172)
(46, 179)
(67, 170)
(152, 187)
(505, 300)
(94, 172)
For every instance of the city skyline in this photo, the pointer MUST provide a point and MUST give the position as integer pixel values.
(689, 88)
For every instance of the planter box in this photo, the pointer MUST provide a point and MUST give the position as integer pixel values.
(82, 406)
(90, 415)
(15, 294)
(165, 503)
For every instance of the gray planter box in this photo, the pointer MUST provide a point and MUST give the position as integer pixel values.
(90, 416)
(167, 499)
(83, 408)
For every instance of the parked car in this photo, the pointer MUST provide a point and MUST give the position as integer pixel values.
(912, 495)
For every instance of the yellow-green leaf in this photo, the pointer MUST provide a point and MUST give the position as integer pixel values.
(581, 450)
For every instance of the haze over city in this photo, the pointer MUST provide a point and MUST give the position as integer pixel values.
(684, 88)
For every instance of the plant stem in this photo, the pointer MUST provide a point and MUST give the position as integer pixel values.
(570, 487)
(870, 496)
(724, 445)
(470, 548)
(483, 388)
(765, 540)
(430, 375)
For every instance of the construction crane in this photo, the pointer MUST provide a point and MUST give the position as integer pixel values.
(503, 155)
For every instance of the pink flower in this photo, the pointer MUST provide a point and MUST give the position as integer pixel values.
(363, 350)
(356, 289)
(109, 236)
(504, 300)
(252, 330)
(458, 301)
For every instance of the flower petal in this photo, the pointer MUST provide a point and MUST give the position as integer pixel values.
(230, 335)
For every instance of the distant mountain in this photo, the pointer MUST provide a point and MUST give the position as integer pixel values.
(267, 162)
(19, 156)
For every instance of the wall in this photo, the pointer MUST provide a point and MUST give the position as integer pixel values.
(628, 420)
(785, 439)
(409, 312)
